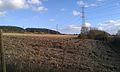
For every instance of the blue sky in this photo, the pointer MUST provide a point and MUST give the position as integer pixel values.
(103, 14)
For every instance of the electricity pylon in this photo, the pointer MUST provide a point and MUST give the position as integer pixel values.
(84, 28)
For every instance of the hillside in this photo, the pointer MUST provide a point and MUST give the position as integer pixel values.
(41, 30)
(58, 54)
(15, 29)
(12, 29)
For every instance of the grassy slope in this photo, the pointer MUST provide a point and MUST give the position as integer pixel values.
(61, 53)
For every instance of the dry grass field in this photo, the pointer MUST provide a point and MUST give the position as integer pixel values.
(39, 35)
(58, 53)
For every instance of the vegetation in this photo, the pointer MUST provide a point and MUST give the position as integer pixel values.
(41, 30)
(114, 43)
(29, 53)
(96, 35)
(14, 29)
(58, 54)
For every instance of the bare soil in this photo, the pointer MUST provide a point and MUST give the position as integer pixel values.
(58, 54)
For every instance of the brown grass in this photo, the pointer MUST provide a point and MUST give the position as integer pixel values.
(58, 53)
(39, 35)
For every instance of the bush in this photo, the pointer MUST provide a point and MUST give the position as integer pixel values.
(98, 35)
(114, 43)
(81, 36)
(95, 34)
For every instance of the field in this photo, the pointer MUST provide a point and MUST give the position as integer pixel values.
(58, 53)
(39, 35)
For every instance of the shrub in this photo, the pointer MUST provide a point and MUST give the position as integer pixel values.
(95, 34)
(98, 35)
(114, 43)
(81, 36)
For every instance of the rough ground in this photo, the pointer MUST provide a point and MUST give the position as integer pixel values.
(58, 54)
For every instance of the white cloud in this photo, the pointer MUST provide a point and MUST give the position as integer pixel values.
(12, 4)
(51, 20)
(6, 5)
(38, 2)
(111, 26)
(80, 2)
(76, 13)
(2, 13)
(85, 4)
(41, 9)
(87, 24)
(72, 29)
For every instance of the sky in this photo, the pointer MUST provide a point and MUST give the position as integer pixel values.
(102, 14)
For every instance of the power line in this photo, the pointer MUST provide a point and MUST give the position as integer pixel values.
(105, 14)
(100, 15)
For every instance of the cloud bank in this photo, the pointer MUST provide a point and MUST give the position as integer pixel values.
(110, 26)
(73, 28)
